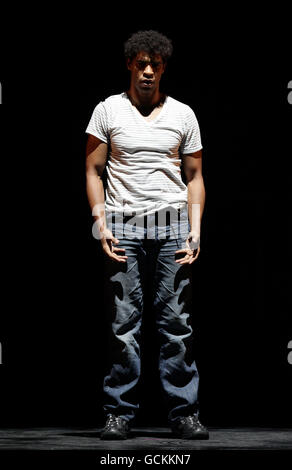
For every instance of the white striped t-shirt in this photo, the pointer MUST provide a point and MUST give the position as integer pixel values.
(143, 168)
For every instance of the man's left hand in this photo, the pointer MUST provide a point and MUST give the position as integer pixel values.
(191, 251)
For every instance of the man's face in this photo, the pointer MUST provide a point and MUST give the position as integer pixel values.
(146, 72)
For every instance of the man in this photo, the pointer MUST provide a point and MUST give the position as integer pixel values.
(147, 135)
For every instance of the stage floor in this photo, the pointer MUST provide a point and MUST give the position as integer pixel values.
(144, 439)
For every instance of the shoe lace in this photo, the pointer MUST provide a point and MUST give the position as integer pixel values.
(193, 419)
(112, 420)
(196, 421)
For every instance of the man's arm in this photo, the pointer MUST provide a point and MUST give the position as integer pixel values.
(96, 155)
(192, 165)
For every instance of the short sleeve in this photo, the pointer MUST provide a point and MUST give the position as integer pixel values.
(98, 124)
(191, 141)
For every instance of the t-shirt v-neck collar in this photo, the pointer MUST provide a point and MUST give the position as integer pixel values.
(151, 121)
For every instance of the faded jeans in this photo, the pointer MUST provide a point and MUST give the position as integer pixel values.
(172, 299)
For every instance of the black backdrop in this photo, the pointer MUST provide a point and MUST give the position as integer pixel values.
(232, 68)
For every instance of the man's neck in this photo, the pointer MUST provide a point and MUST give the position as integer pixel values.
(147, 101)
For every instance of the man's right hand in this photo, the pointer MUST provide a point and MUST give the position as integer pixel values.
(107, 241)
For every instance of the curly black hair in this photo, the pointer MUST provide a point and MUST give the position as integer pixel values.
(149, 41)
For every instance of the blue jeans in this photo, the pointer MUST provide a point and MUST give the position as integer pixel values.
(124, 287)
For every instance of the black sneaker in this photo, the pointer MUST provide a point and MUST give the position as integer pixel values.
(189, 428)
(115, 428)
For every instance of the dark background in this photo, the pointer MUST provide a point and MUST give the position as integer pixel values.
(232, 68)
